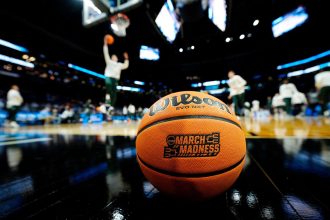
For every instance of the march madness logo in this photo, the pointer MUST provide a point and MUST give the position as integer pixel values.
(192, 145)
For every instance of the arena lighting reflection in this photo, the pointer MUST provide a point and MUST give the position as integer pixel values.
(303, 61)
(309, 70)
(5, 73)
(308, 163)
(289, 21)
(217, 91)
(209, 83)
(13, 46)
(149, 190)
(251, 200)
(118, 214)
(16, 61)
(127, 88)
(139, 83)
(195, 85)
(126, 153)
(305, 210)
(11, 196)
(19, 186)
(268, 212)
(88, 173)
(236, 197)
(217, 13)
(90, 72)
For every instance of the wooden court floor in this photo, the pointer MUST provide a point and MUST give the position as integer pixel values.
(78, 171)
(308, 127)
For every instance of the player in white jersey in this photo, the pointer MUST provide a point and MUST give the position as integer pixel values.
(112, 73)
(322, 84)
(237, 91)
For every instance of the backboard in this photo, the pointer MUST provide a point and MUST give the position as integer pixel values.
(97, 11)
(116, 6)
(94, 12)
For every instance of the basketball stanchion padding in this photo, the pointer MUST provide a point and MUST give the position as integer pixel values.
(191, 145)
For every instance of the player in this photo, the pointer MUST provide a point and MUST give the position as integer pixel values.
(112, 73)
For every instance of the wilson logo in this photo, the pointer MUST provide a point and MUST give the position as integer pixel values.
(193, 145)
(185, 99)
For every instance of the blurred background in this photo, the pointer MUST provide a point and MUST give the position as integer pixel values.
(53, 49)
(68, 150)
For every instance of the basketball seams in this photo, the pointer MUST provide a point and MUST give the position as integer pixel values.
(191, 175)
(172, 130)
(183, 117)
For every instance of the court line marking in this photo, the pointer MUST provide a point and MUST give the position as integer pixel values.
(33, 140)
(274, 184)
(12, 138)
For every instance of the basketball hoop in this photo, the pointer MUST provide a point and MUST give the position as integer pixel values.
(119, 23)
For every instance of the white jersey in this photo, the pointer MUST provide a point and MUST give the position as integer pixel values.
(14, 98)
(255, 105)
(322, 79)
(277, 101)
(298, 98)
(124, 110)
(67, 113)
(287, 90)
(113, 69)
(237, 85)
(131, 109)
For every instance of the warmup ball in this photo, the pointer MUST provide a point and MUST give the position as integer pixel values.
(110, 39)
(190, 145)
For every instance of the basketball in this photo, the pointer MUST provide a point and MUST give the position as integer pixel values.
(110, 39)
(190, 145)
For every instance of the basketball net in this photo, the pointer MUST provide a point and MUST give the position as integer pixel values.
(119, 23)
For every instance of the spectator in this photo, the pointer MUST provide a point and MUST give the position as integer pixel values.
(2, 104)
(67, 115)
(45, 115)
(125, 113)
(88, 109)
(131, 111)
(145, 110)
(313, 101)
(139, 112)
(56, 119)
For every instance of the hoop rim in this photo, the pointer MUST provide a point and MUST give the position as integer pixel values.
(113, 18)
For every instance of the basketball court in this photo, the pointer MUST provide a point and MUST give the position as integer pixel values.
(75, 153)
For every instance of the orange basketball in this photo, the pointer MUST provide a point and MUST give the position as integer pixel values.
(190, 145)
(110, 39)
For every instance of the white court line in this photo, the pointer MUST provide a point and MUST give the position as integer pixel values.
(12, 138)
(24, 141)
